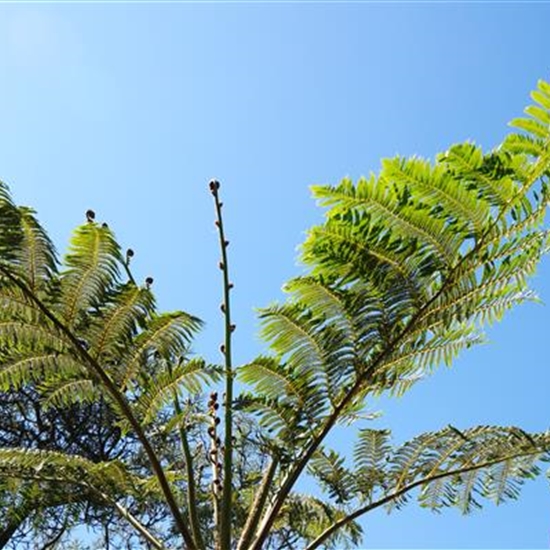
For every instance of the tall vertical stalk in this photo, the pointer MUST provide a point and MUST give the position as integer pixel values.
(226, 509)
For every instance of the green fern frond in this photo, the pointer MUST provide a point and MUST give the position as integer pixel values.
(11, 233)
(271, 379)
(187, 376)
(21, 369)
(167, 335)
(489, 177)
(371, 452)
(490, 462)
(37, 258)
(120, 321)
(438, 189)
(93, 265)
(36, 336)
(111, 477)
(307, 517)
(328, 467)
(67, 392)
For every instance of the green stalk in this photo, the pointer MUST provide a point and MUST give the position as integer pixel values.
(226, 508)
(258, 505)
(191, 489)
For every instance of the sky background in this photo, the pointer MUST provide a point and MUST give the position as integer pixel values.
(130, 109)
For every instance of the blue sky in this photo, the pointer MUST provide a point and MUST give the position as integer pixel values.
(130, 109)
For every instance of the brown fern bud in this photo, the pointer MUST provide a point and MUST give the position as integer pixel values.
(90, 215)
(129, 254)
(221, 266)
(214, 186)
(215, 406)
(222, 307)
(230, 286)
(214, 396)
(217, 420)
(222, 348)
(211, 432)
(217, 223)
(226, 243)
(232, 328)
(149, 282)
(105, 225)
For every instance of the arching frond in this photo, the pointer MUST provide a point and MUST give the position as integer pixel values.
(272, 380)
(502, 459)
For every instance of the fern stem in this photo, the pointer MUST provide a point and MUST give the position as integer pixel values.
(258, 505)
(405, 489)
(538, 170)
(119, 399)
(227, 504)
(191, 489)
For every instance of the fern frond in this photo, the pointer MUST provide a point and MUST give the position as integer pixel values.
(187, 376)
(40, 464)
(11, 233)
(307, 516)
(371, 453)
(328, 467)
(491, 462)
(378, 199)
(271, 379)
(437, 188)
(36, 336)
(22, 369)
(67, 392)
(92, 268)
(120, 321)
(37, 258)
(167, 335)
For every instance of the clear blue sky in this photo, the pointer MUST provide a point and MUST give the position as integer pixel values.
(130, 109)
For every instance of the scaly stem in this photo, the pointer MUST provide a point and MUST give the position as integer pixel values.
(226, 510)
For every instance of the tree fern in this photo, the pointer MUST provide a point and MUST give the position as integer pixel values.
(404, 273)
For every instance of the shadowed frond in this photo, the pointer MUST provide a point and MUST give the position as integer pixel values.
(328, 467)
